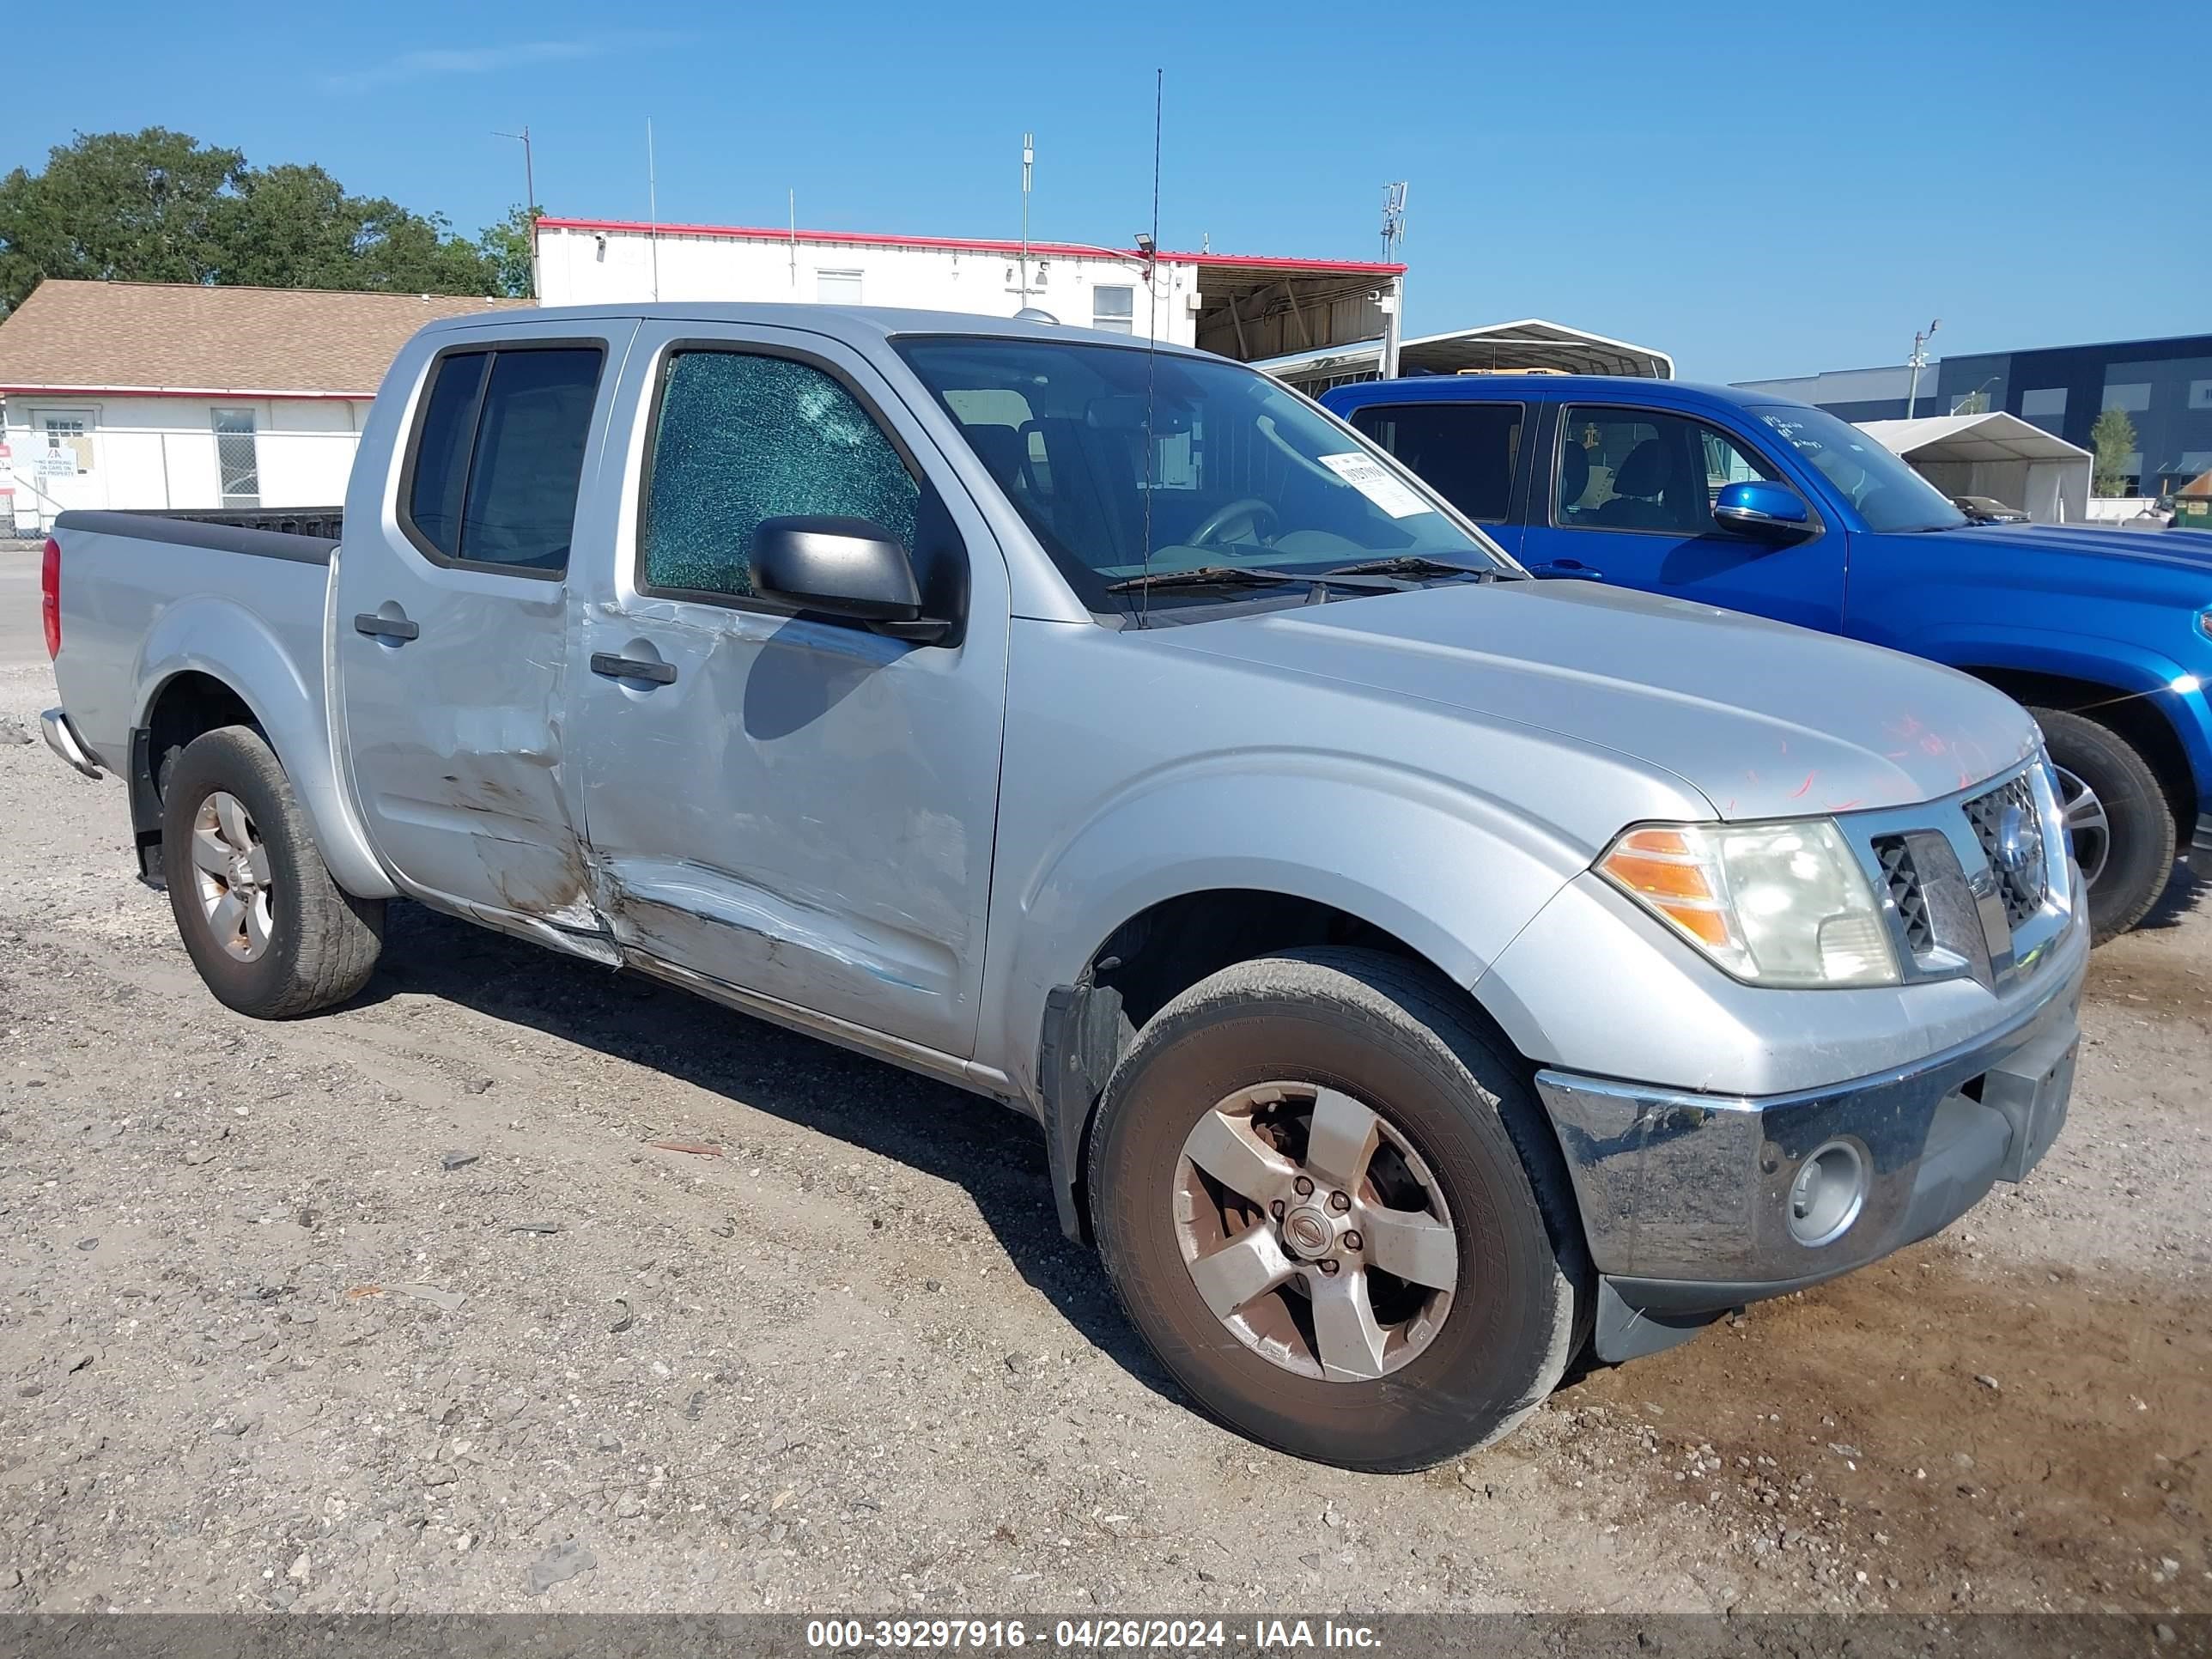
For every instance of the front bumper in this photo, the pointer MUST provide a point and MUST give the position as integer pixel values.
(2198, 858)
(1685, 1198)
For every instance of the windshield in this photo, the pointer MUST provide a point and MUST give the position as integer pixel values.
(1241, 472)
(1889, 494)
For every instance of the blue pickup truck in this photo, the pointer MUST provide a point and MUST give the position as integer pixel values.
(1731, 498)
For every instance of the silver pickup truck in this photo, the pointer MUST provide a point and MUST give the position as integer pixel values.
(1420, 972)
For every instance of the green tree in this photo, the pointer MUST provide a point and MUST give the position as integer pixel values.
(114, 205)
(2113, 438)
(159, 206)
(507, 244)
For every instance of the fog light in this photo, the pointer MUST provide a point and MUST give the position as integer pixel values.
(1828, 1194)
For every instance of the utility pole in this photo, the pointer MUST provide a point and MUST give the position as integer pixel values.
(1917, 362)
(528, 203)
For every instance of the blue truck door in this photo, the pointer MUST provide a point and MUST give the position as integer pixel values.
(1475, 455)
(1625, 494)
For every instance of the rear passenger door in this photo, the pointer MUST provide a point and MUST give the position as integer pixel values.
(1629, 500)
(1471, 453)
(451, 636)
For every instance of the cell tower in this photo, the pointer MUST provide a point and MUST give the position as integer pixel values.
(1394, 219)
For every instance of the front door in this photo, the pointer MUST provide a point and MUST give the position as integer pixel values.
(791, 804)
(1631, 502)
(64, 461)
(453, 625)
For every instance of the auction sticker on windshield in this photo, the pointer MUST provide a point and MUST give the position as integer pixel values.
(1365, 474)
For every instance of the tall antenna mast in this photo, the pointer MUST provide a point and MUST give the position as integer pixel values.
(1029, 158)
(1393, 302)
(794, 238)
(1152, 345)
(652, 207)
(1394, 219)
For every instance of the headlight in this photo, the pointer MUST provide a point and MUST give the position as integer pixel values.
(2057, 840)
(1782, 904)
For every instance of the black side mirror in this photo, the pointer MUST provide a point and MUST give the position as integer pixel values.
(851, 568)
(1764, 509)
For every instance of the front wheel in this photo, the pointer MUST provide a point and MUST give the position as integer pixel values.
(271, 934)
(2118, 822)
(1328, 1204)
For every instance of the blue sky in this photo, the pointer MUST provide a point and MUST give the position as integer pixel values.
(1760, 190)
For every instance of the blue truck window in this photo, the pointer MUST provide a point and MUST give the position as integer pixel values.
(1465, 451)
(1622, 469)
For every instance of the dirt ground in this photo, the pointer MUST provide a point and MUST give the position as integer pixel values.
(401, 1308)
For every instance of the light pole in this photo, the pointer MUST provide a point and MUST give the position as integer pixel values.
(1919, 361)
(528, 202)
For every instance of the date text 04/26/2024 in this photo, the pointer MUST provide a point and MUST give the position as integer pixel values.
(1258, 1636)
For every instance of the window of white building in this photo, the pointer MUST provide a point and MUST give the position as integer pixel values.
(238, 456)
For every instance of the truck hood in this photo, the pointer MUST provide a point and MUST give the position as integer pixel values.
(2184, 552)
(1762, 718)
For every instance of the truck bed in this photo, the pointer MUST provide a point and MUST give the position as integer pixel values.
(141, 593)
(320, 523)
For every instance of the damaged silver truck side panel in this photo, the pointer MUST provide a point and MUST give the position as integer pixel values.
(1412, 964)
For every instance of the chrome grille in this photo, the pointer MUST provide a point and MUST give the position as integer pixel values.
(2006, 823)
(1902, 877)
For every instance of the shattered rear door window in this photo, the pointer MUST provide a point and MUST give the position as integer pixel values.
(741, 437)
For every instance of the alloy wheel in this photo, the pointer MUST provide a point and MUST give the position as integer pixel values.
(1315, 1232)
(2088, 830)
(230, 871)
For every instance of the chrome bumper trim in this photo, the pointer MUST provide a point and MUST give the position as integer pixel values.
(62, 738)
(1679, 1186)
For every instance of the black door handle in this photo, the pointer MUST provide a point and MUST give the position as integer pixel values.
(632, 668)
(396, 629)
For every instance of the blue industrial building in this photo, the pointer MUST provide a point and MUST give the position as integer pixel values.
(2164, 385)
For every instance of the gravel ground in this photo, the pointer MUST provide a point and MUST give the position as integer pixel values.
(403, 1307)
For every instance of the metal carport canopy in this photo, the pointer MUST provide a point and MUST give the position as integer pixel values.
(1994, 436)
(1531, 343)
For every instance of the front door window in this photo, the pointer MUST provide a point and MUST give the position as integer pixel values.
(1644, 470)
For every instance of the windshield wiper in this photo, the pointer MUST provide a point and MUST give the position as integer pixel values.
(1250, 575)
(1416, 564)
(1210, 576)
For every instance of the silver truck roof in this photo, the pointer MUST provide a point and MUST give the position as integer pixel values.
(843, 322)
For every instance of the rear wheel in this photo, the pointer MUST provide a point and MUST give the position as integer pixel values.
(271, 934)
(1328, 1204)
(2118, 822)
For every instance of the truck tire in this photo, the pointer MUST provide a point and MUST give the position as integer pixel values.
(2116, 816)
(1424, 1284)
(271, 934)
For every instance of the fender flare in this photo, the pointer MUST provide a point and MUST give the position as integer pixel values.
(1300, 834)
(2130, 669)
(224, 641)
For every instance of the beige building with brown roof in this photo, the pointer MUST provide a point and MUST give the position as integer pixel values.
(168, 395)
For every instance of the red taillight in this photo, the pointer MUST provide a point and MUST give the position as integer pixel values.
(50, 595)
